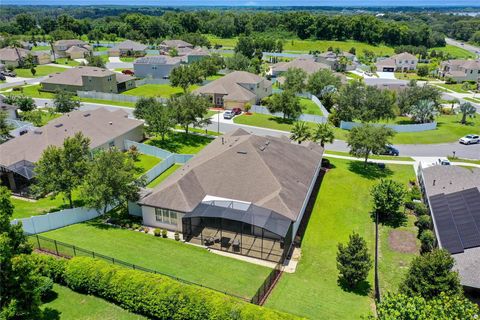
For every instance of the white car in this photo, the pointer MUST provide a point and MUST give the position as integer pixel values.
(470, 139)
(229, 114)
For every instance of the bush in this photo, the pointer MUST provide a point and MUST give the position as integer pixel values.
(164, 233)
(409, 204)
(420, 208)
(415, 193)
(50, 267)
(45, 287)
(177, 236)
(135, 226)
(157, 232)
(157, 296)
(427, 238)
(424, 222)
(145, 229)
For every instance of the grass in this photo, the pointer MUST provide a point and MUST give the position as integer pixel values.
(68, 304)
(146, 162)
(457, 87)
(41, 48)
(454, 52)
(449, 128)
(412, 76)
(180, 142)
(464, 160)
(127, 59)
(156, 90)
(353, 75)
(214, 77)
(346, 154)
(163, 176)
(475, 100)
(309, 107)
(100, 48)
(109, 102)
(68, 62)
(341, 207)
(41, 71)
(165, 255)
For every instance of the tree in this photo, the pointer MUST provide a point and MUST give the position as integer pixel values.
(61, 169)
(431, 274)
(173, 52)
(317, 81)
(111, 181)
(286, 102)
(65, 101)
(327, 96)
(238, 62)
(414, 93)
(442, 307)
(189, 109)
(95, 61)
(427, 239)
(467, 110)
(33, 71)
(25, 103)
(350, 100)
(300, 132)
(159, 118)
(388, 196)
(323, 134)
(294, 80)
(422, 71)
(5, 127)
(367, 139)
(19, 283)
(353, 261)
(185, 76)
(378, 104)
(424, 111)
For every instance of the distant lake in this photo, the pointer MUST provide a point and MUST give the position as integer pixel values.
(336, 3)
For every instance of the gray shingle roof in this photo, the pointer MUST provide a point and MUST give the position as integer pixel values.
(306, 64)
(157, 60)
(130, 45)
(73, 76)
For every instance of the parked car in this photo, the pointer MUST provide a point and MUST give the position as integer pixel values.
(9, 73)
(470, 139)
(443, 162)
(391, 150)
(229, 114)
(128, 72)
(2, 77)
(237, 111)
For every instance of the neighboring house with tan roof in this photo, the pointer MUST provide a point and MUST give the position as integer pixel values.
(460, 70)
(343, 61)
(75, 52)
(399, 62)
(88, 79)
(155, 67)
(241, 188)
(167, 45)
(236, 89)
(128, 48)
(104, 128)
(62, 48)
(10, 56)
(309, 65)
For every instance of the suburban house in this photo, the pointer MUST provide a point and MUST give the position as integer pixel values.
(309, 65)
(128, 48)
(15, 56)
(399, 62)
(452, 194)
(343, 61)
(193, 55)
(72, 48)
(460, 70)
(156, 67)
(42, 57)
(17, 127)
(88, 79)
(236, 89)
(242, 193)
(104, 128)
(167, 45)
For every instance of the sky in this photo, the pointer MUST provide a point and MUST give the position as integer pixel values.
(337, 3)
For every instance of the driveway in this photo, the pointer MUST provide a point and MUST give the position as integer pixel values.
(20, 82)
(386, 75)
(116, 63)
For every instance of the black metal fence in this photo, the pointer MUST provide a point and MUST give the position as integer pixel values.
(267, 285)
(66, 250)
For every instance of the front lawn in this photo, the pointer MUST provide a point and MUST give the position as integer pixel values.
(127, 59)
(68, 304)
(310, 107)
(342, 206)
(42, 71)
(155, 182)
(109, 102)
(32, 91)
(68, 62)
(412, 76)
(156, 90)
(41, 48)
(178, 259)
(180, 142)
(454, 52)
(457, 87)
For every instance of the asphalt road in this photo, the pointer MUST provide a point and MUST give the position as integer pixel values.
(466, 46)
(420, 150)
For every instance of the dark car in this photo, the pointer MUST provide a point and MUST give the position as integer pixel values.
(9, 73)
(237, 111)
(2, 77)
(391, 150)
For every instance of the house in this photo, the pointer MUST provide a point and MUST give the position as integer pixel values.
(104, 128)
(236, 89)
(242, 193)
(387, 84)
(156, 67)
(460, 70)
(167, 45)
(452, 193)
(399, 62)
(128, 48)
(88, 79)
(193, 55)
(42, 57)
(62, 48)
(342, 61)
(10, 56)
(309, 65)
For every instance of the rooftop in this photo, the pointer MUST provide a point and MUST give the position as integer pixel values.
(73, 76)
(13, 54)
(157, 60)
(306, 64)
(130, 45)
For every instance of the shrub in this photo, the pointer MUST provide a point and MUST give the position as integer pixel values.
(157, 296)
(427, 238)
(164, 233)
(157, 232)
(135, 226)
(145, 229)
(415, 193)
(409, 204)
(127, 225)
(420, 208)
(50, 267)
(177, 236)
(424, 222)
(45, 288)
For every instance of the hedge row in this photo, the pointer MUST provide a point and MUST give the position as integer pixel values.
(155, 296)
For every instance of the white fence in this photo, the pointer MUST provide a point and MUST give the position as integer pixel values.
(111, 96)
(397, 127)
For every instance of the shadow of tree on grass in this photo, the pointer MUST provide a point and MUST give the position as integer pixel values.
(362, 289)
(370, 171)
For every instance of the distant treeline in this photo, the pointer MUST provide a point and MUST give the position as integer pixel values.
(148, 24)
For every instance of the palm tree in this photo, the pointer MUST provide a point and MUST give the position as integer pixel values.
(454, 102)
(424, 111)
(323, 134)
(300, 132)
(467, 109)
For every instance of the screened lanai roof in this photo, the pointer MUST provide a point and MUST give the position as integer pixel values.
(242, 212)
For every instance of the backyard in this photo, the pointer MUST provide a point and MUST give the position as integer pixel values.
(180, 142)
(155, 182)
(68, 304)
(165, 255)
(41, 71)
(310, 107)
(68, 62)
(156, 90)
(342, 206)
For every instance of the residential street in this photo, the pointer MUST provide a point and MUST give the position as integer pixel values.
(466, 46)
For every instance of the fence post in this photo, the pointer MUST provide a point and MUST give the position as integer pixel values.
(74, 252)
(56, 247)
(93, 254)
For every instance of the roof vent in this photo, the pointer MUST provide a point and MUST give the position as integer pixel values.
(110, 123)
(87, 115)
(262, 148)
(59, 125)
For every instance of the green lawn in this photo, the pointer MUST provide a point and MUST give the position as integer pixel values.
(309, 107)
(46, 117)
(146, 162)
(341, 207)
(346, 154)
(68, 304)
(455, 52)
(27, 208)
(109, 102)
(163, 176)
(476, 100)
(165, 255)
(156, 90)
(41, 48)
(180, 142)
(457, 87)
(412, 76)
(472, 161)
(214, 77)
(127, 59)
(41, 71)
(68, 62)
(449, 128)
(100, 48)
(353, 75)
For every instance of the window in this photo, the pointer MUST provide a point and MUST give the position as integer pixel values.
(166, 216)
